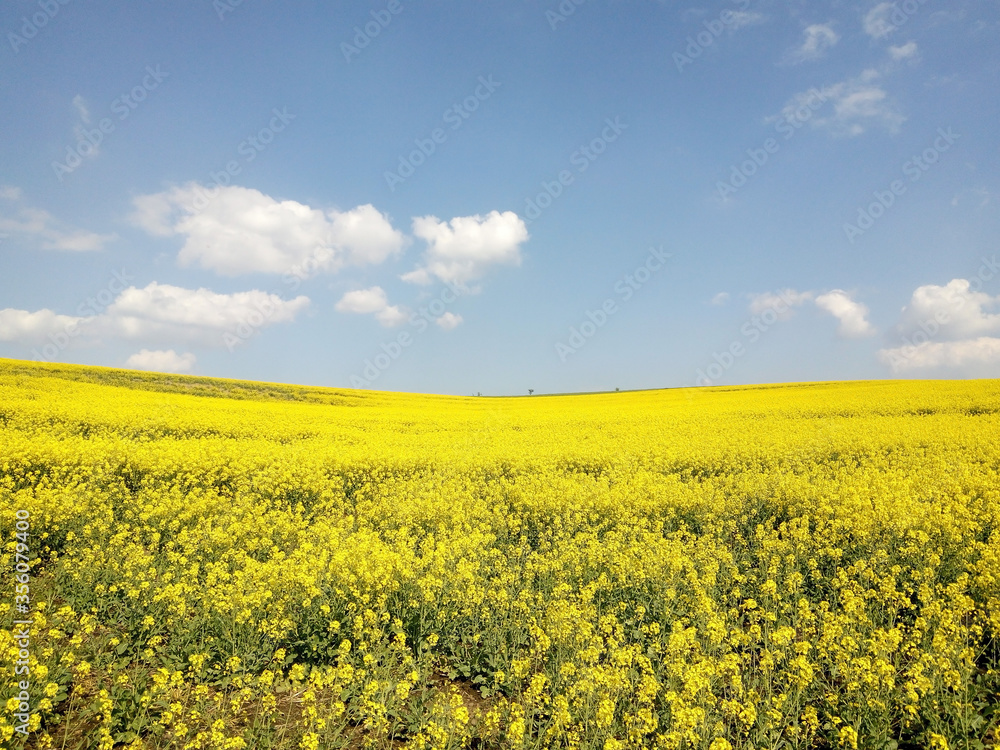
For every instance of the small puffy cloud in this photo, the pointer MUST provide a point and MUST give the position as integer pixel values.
(77, 241)
(903, 51)
(372, 301)
(33, 327)
(80, 127)
(693, 14)
(818, 38)
(736, 19)
(782, 302)
(51, 234)
(740, 18)
(392, 316)
(235, 230)
(721, 298)
(942, 354)
(937, 81)
(464, 249)
(156, 212)
(449, 321)
(877, 22)
(853, 316)
(81, 107)
(956, 15)
(985, 27)
(981, 196)
(849, 107)
(161, 361)
(363, 301)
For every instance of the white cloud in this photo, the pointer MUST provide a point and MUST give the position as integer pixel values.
(463, 249)
(819, 37)
(953, 311)
(942, 17)
(782, 302)
(883, 19)
(34, 223)
(76, 241)
(740, 18)
(693, 14)
(81, 108)
(372, 301)
(942, 354)
(449, 321)
(391, 316)
(239, 230)
(853, 316)
(856, 104)
(33, 327)
(156, 313)
(365, 235)
(737, 19)
(165, 312)
(937, 81)
(363, 301)
(877, 23)
(721, 298)
(161, 361)
(903, 51)
(950, 326)
(155, 212)
(985, 27)
(981, 195)
(80, 128)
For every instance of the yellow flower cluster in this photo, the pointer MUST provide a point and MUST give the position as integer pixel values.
(225, 565)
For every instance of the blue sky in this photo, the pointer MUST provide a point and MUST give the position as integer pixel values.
(492, 197)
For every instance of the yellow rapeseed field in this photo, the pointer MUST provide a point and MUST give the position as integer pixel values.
(222, 564)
